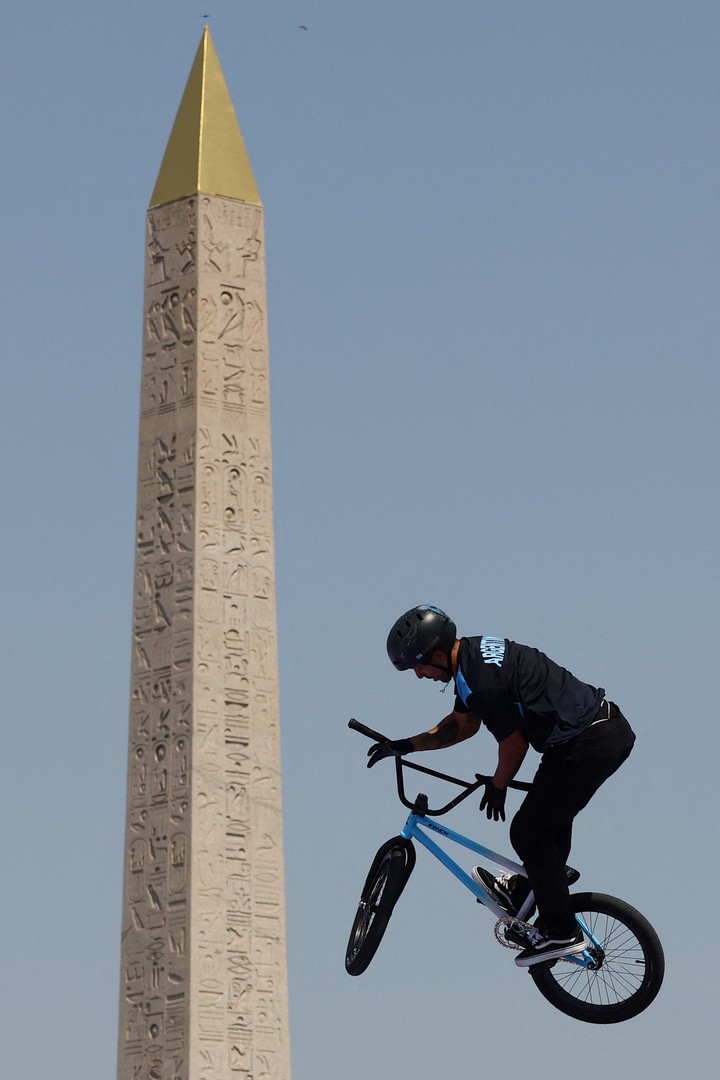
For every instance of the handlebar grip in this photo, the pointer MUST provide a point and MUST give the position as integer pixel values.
(368, 732)
(520, 785)
(516, 785)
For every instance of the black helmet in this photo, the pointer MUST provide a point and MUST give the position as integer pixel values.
(417, 634)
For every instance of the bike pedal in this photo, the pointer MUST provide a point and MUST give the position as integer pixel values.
(513, 933)
(513, 938)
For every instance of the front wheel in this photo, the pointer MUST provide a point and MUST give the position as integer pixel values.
(386, 880)
(628, 958)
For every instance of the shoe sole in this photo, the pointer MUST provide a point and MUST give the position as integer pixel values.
(551, 954)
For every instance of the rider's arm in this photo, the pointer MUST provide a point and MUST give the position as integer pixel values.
(454, 728)
(511, 753)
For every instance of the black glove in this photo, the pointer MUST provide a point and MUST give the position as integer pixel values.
(388, 749)
(494, 799)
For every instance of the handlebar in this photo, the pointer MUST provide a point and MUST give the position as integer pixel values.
(420, 804)
(368, 732)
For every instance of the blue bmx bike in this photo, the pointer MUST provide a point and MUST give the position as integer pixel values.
(617, 976)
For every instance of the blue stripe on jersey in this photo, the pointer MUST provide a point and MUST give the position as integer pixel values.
(462, 687)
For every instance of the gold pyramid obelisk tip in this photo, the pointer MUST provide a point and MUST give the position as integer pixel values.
(205, 151)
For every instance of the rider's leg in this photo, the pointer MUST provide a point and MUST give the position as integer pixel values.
(541, 831)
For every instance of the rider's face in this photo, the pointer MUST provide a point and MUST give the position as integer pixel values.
(436, 671)
(426, 671)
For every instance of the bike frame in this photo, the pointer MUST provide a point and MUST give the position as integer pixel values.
(414, 829)
(418, 826)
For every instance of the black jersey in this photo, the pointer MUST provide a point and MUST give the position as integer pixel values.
(511, 686)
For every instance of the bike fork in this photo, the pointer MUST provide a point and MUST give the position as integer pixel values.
(593, 956)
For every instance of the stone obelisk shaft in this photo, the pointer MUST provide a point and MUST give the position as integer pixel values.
(203, 981)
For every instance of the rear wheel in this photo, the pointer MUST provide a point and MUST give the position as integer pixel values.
(386, 880)
(629, 964)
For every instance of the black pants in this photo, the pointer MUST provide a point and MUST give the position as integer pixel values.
(567, 778)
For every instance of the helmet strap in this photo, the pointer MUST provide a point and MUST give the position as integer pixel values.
(446, 670)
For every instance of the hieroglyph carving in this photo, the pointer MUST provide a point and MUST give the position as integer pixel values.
(204, 985)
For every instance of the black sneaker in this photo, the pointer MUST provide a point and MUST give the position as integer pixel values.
(571, 874)
(544, 949)
(509, 890)
(518, 934)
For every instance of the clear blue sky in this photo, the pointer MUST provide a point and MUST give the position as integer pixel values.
(493, 233)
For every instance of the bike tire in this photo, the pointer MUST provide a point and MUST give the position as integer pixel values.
(386, 880)
(627, 980)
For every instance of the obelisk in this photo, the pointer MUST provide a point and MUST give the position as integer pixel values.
(204, 976)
